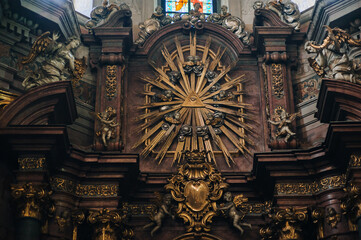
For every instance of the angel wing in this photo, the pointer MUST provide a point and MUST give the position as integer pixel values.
(41, 44)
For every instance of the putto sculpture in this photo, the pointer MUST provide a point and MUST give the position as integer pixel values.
(108, 124)
(164, 205)
(332, 58)
(283, 121)
(52, 61)
(232, 213)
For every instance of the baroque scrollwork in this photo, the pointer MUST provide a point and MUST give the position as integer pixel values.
(52, 61)
(6, 98)
(101, 14)
(31, 163)
(196, 187)
(82, 190)
(303, 188)
(332, 58)
(351, 203)
(232, 23)
(286, 9)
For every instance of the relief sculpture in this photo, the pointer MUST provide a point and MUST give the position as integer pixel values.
(332, 58)
(53, 61)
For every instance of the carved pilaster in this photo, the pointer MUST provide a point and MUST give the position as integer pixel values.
(109, 224)
(108, 48)
(275, 59)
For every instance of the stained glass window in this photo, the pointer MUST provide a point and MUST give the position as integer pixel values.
(184, 6)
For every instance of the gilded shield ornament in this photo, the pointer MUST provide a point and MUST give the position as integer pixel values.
(196, 194)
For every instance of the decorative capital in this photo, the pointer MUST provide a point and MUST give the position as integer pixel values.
(32, 200)
(286, 224)
(109, 224)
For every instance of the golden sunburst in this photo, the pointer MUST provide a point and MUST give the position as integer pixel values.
(193, 103)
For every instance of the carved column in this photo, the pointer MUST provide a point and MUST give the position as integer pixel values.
(108, 46)
(276, 57)
(33, 206)
(109, 224)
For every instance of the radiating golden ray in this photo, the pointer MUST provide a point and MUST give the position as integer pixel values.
(179, 49)
(202, 81)
(207, 143)
(159, 104)
(184, 76)
(206, 49)
(152, 144)
(193, 100)
(226, 110)
(241, 124)
(184, 113)
(219, 142)
(229, 104)
(224, 87)
(215, 62)
(231, 137)
(148, 134)
(238, 131)
(168, 58)
(219, 77)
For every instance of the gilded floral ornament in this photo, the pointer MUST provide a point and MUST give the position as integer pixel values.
(351, 203)
(196, 188)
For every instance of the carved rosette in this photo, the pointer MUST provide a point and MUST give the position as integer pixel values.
(286, 224)
(196, 187)
(32, 200)
(109, 224)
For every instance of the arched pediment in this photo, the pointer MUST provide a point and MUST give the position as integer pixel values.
(48, 104)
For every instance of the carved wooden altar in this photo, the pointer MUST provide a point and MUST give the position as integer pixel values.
(194, 111)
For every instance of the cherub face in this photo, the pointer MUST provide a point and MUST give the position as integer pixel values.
(74, 43)
(159, 9)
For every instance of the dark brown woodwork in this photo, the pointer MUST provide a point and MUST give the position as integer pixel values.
(49, 104)
(339, 101)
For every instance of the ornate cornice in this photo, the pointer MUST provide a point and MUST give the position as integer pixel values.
(311, 188)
